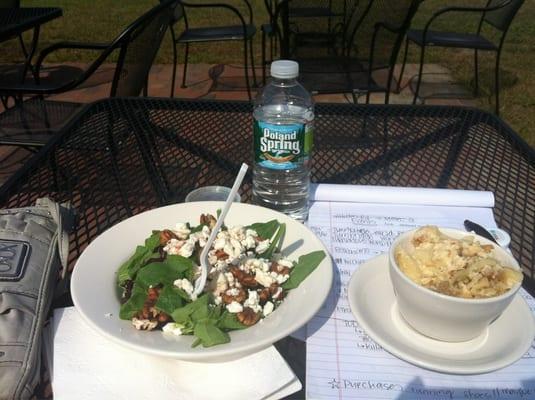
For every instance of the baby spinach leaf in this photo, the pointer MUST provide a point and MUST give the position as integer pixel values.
(229, 321)
(265, 230)
(209, 334)
(304, 267)
(276, 243)
(197, 228)
(142, 254)
(179, 263)
(196, 342)
(183, 315)
(129, 269)
(169, 299)
(134, 304)
(153, 241)
(165, 272)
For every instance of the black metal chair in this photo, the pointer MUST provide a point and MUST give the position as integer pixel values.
(31, 123)
(368, 41)
(244, 31)
(15, 4)
(498, 14)
(268, 31)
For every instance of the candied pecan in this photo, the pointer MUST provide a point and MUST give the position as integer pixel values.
(240, 297)
(266, 293)
(166, 235)
(279, 269)
(248, 317)
(145, 313)
(245, 279)
(273, 289)
(208, 219)
(221, 255)
(153, 294)
(163, 317)
(263, 295)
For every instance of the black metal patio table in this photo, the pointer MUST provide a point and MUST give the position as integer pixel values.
(15, 21)
(120, 157)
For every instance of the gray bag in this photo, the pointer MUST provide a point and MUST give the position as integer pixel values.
(34, 244)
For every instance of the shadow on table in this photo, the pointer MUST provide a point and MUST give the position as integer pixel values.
(330, 304)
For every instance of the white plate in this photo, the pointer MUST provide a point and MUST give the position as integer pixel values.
(95, 296)
(373, 303)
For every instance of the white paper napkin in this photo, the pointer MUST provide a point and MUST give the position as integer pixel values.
(88, 366)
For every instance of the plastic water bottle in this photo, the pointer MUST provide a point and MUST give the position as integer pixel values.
(283, 125)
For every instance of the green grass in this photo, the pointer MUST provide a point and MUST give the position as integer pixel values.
(101, 20)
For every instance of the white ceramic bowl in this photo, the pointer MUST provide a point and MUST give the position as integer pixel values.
(95, 296)
(443, 317)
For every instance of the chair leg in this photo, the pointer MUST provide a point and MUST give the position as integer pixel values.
(420, 72)
(263, 59)
(186, 52)
(497, 84)
(398, 89)
(476, 67)
(246, 69)
(251, 53)
(173, 79)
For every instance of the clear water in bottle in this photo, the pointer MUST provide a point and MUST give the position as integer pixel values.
(283, 122)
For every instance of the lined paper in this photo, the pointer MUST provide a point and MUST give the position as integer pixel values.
(342, 361)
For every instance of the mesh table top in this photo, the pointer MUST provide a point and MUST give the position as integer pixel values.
(14, 21)
(120, 157)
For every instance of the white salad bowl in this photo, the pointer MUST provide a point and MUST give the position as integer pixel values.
(443, 317)
(95, 296)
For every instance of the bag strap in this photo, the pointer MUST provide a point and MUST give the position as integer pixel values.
(64, 217)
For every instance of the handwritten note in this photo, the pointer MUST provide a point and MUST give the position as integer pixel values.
(343, 362)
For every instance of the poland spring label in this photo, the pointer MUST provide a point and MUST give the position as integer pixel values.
(282, 146)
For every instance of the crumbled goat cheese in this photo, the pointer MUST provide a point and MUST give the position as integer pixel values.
(268, 308)
(233, 292)
(218, 284)
(182, 230)
(187, 248)
(264, 278)
(251, 232)
(285, 263)
(252, 301)
(234, 307)
(173, 328)
(280, 278)
(262, 246)
(173, 246)
(249, 242)
(186, 286)
(219, 243)
(230, 279)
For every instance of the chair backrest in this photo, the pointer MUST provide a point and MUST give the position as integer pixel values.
(376, 45)
(502, 17)
(138, 46)
(9, 3)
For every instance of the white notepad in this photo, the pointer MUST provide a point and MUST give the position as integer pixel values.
(356, 224)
